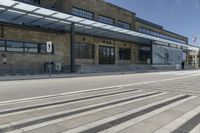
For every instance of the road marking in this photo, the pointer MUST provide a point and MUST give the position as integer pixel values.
(56, 120)
(13, 112)
(179, 121)
(100, 122)
(146, 116)
(89, 90)
(196, 74)
(168, 73)
(179, 73)
(185, 73)
(196, 129)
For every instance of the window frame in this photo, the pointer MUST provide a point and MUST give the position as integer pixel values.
(23, 47)
(1, 46)
(104, 18)
(160, 35)
(123, 53)
(82, 13)
(124, 25)
(144, 54)
(9, 49)
(27, 50)
(84, 51)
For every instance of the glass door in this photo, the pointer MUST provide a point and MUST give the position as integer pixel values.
(106, 55)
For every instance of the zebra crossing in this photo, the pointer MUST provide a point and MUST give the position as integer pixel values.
(125, 109)
(181, 73)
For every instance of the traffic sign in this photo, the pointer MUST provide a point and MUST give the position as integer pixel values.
(49, 47)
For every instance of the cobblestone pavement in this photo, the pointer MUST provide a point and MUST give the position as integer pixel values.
(169, 102)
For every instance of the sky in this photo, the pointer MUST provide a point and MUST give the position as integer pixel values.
(179, 16)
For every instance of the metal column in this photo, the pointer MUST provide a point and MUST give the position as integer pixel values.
(72, 41)
(151, 50)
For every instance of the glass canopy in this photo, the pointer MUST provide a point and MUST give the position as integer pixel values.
(25, 14)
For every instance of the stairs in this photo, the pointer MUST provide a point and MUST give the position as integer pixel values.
(125, 68)
(113, 68)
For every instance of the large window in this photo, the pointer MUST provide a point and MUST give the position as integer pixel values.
(42, 48)
(153, 33)
(82, 13)
(23, 47)
(106, 20)
(30, 48)
(124, 54)
(84, 51)
(123, 25)
(14, 46)
(144, 53)
(2, 46)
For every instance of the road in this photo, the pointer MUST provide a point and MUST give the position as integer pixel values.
(160, 102)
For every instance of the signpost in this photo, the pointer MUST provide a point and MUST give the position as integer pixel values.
(49, 48)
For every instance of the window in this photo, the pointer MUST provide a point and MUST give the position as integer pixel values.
(124, 25)
(26, 47)
(30, 47)
(140, 30)
(2, 46)
(82, 13)
(14, 46)
(124, 54)
(32, 1)
(84, 51)
(144, 53)
(143, 30)
(106, 20)
(42, 48)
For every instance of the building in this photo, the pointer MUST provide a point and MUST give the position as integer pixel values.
(82, 32)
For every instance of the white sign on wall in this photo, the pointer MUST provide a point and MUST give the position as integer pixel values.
(49, 47)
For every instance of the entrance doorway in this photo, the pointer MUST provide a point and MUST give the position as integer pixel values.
(106, 55)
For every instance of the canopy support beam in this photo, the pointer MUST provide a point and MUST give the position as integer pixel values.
(72, 39)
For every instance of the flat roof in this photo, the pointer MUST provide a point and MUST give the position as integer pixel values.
(148, 23)
(15, 12)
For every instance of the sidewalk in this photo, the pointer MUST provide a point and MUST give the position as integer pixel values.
(66, 75)
(73, 75)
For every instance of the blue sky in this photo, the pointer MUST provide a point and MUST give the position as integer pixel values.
(179, 16)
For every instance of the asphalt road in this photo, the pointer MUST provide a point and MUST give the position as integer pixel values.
(136, 103)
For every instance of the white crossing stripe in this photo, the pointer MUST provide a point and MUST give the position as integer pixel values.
(77, 115)
(168, 73)
(179, 121)
(146, 116)
(60, 105)
(100, 122)
(180, 73)
(185, 73)
(196, 74)
(196, 129)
